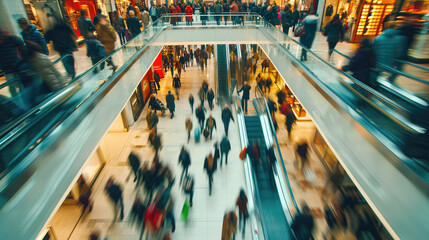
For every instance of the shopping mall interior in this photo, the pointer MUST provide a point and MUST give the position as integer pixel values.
(313, 152)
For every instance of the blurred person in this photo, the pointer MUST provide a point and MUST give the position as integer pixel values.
(216, 152)
(98, 16)
(151, 119)
(178, 67)
(307, 39)
(154, 12)
(334, 181)
(85, 195)
(389, 47)
(286, 19)
(243, 213)
(290, 120)
(189, 11)
(188, 125)
(303, 224)
(335, 32)
(155, 141)
(296, 17)
(229, 226)
(301, 153)
(253, 152)
(210, 124)
(191, 102)
(200, 113)
(191, 57)
(361, 63)
(177, 85)
(226, 118)
(137, 211)
(29, 33)
(178, 12)
(86, 27)
(114, 192)
(268, 84)
(172, 11)
(95, 235)
(133, 24)
(234, 10)
(157, 79)
(95, 50)
(188, 188)
(225, 9)
(182, 61)
(185, 162)
(12, 50)
(210, 167)
(246, 94)
(271, 160)
(134, 162)
(203, 14)
(41, 63)
(210, 98)
(118, 24)
(64, 40)
(201, 95)
(217, 11)
(107, 36)
(145, 18)
(170, 103)
(225, 147)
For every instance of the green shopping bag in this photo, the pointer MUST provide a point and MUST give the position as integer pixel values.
(185, 210)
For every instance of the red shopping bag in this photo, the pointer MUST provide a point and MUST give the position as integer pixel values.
(243, 153)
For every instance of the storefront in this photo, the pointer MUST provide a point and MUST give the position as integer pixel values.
(43, 14)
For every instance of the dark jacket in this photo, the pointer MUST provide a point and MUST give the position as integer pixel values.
(225, 145)
(134, 26)
(210, 95)
(119, 24)
(11, 49)
(114, 192)
(210, 171)
(35, 36)
(134, 161)
(200, 113)
(211, 123)
(295, 16)
(63, 38)
(389, 46)
(170, 101)
(85, 26)
(156, 77)
(176, 82)
(310, 31)
(227, 115)
(302, 226)
(360, 65)
(184, 159)
(286, 18)
(246, 91)
(334, 31)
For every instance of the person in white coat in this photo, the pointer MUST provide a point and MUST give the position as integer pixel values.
(145, 18)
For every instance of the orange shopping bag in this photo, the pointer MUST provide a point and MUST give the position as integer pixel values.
(243, 153)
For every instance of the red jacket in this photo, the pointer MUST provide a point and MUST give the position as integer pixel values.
(189, 11)
(178, 10)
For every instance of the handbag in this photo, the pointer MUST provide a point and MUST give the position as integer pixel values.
(300, 30)
(127, 35)
(185, 210)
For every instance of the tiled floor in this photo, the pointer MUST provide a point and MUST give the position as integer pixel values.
(206, 215)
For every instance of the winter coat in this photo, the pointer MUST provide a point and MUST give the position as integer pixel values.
(218, 8)
(213, 168)
(189, 11)
(334, 31)
(163, 10)
(210, 96)
(286, 18)
(86, 27)
(234, 7)
(118, 24)
(229, 226)
(31, 34)
(310, 31)
(156, 77)
(145, 18)
(134, 161)
(152, 119)
(63, 38)
(184, 159)
(114, 192)
(210, 123)
(242, 205)
(170, 101)
(11, 49)
(176, 82)
(389, 47)
(153, 12)
(295, 16)
(188, 124)
(107, 36)
(47, 71)
(134, 26)
(225, 145)
(227, 116)
(302, 226)
(203, 13)
(360, 65)
(246, 91)
(200, 113)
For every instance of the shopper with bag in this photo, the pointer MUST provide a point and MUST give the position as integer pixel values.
(114, 191)
(188, 125)
(229, 226)
(307, 32)
(226, 118)
(170, 103)
(185, 162)
(210, 124)
(119, 25)
(210, 167)
(188, 188)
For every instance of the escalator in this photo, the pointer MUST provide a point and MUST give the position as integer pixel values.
(222, 72)
(274, 222)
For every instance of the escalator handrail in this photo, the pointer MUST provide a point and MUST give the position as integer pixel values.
(403, 125)
(412, 64)
(273, 131)
(396, 71)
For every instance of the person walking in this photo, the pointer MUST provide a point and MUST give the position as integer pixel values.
(151, 119)
(225, 9)
(301, 153)
(107, 36)
(307, 39)
(64, 40)
(210, 98)
(185, 162)
(217, 11)
(361, 63)
(286, 19)
(335, 32)
(201, 95)
(154, 13)
(296, 15)
(229, 226)
(203, 14)
(114, 192)
(177, 85)
(188, 125)
(303, 224)
(170, 103)
(85, 25)
(179, 67)
(133, 24)
(29, 33)
(119, 26)
(200, 114)
(290, 120)
(155, 141)
(216, 152)
(233, 10)
(145, 18)
(134, 162)
(188, 188)
(210, 124)
(157, 79)
(191, 102)
(243, 213)
(225, 147)
(189, 11)
(210, 167)
(246, 94)
(226, 118)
